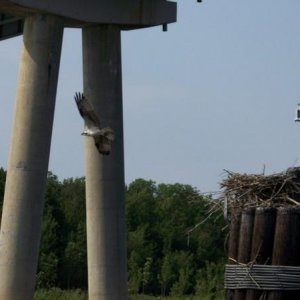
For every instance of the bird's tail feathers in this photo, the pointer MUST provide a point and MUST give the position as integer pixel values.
(108, 133)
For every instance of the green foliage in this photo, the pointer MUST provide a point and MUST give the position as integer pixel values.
(58, 294)
(62, 260)
(74, 258)
(147, 273)
(135, 272)
(167, 273)
(48, 269)
(164, 256)
(184, 262)
(159, 218)
(75, 261)
(210, 280)
(73, 202)
(52, 242)
(190, 297)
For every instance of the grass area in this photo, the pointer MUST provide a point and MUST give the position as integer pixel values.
(58, 294)
(207, 297)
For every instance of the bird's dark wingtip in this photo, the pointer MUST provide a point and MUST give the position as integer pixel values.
(78, 96)
(105, 153)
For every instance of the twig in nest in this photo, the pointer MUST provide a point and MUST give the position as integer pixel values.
(244, 190)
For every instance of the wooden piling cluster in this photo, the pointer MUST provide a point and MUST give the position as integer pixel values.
(264, 229)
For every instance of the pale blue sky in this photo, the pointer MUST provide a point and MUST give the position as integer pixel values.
(217, 91)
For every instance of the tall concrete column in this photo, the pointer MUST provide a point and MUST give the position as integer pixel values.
(29, 156)
(106, 232)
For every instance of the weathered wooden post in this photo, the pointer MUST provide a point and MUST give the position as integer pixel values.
(262, 242)
(286, 250)
(245, 242)
(233, 243)
(268, 261)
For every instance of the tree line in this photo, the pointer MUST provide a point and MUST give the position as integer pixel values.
(164, 255)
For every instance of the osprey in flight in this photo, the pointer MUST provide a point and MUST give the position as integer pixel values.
(103, 137)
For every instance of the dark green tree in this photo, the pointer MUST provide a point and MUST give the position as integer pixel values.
(62, 260)
(74, 258)
(165, 247)
(73, 202)
(168, 273)
(173, 247)
(185, 269)
(52, 239)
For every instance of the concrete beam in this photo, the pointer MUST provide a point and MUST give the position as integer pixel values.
(10, 26)
(29, 156)
(127, 13)
(105, 185)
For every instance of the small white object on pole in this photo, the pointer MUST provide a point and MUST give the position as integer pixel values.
(297, 118)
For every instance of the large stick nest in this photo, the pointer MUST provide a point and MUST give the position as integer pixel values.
(243, 190)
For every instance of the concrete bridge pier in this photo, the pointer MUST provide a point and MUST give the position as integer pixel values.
(29, 156)
(106, 230)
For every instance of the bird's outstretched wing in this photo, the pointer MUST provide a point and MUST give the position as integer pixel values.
(103, 137)
(104, 141)
(86, 110)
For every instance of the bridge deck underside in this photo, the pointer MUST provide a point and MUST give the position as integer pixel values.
(10, 26)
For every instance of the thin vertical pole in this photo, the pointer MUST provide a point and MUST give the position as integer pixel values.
(286, 246)
(245, 242)
(262, 242)
(29, 156)
(106, 231)
(233, 243)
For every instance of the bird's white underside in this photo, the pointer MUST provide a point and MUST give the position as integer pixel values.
(93, 131)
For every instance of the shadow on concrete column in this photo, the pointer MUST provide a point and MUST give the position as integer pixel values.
(106, 231)
(29, 156)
